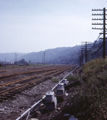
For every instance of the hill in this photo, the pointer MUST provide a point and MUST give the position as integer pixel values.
(10, 57)
(63, 55)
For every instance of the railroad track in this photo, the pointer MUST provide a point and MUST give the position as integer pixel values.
(26, 114)
(24, 72)
(26, 78)
(28, 82)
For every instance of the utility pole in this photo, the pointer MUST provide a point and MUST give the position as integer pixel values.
(104, 25)
(81, 59)
(16, 57)
(44, 57)
(86, 52)
(85, 48)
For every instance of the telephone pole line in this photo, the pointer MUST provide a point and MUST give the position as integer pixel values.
(44, 57)
(85, 48)
(104, 25)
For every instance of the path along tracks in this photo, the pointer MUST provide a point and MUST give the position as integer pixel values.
(11, 88)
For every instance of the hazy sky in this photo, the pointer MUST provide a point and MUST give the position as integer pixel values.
(35, 25)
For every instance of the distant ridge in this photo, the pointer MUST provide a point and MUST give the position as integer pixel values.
(61, 55)
(10, 57)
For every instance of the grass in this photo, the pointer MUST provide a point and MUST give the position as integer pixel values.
(72, 78)
(55, 80)
(10, 67)
(18, 66)
(91, 99)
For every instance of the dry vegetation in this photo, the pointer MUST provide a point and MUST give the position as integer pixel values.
(90, 102)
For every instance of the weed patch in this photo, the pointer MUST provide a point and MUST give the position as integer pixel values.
(72, 78)
(90, 102)
(55, 80)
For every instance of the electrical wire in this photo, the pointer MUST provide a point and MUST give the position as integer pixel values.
(89, 51)
(97, 3)
(104, 3)
(98, 49)
(94, 43)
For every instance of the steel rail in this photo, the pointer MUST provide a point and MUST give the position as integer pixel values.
(24, 79)
(5, 92)
(65, 77)
(34, 105)
(24, 72)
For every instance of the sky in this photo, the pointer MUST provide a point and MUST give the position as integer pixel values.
(36, 25)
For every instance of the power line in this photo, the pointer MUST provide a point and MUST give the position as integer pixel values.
(97, 4)
(104, 25)
(98, 49)
(101, 3)
(94, 43)
(104, 2)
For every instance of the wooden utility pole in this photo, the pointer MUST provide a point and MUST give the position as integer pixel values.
(44, 57)
(85, 48)
(104, 26)
(86, 52)
(81, 59)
